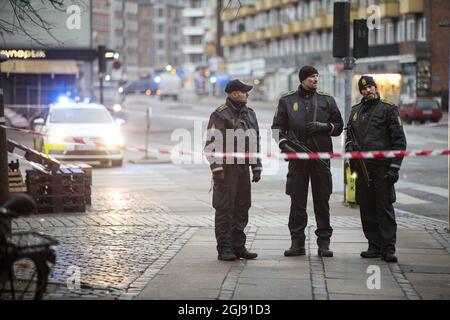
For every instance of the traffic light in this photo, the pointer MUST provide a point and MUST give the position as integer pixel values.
(360, 39)
(101, 59)
(341, 29)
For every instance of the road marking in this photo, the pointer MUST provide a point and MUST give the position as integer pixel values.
(406, 199)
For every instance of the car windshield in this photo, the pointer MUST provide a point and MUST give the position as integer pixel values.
(77, 115)
(427, 105)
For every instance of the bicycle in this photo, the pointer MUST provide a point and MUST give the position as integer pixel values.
(25, 257)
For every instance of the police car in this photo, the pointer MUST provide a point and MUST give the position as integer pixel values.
(91, 124)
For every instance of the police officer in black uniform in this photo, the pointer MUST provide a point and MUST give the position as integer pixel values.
(312, 117)
(233, 127)
(377, 125)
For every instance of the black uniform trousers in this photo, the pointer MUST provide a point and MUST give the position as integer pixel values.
(300, 172)
(377, 212)
(232, 200)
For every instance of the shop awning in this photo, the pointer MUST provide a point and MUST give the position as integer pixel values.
(40, 66)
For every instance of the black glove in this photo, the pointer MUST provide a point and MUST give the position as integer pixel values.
(392, 176)
(218, 177)
(256, 176)
(286, 148)
(317, 127)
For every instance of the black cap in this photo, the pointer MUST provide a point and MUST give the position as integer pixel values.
(237, 85)
(306, 72)
(365, 81)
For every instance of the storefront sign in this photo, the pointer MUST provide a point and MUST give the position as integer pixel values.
(24, 54)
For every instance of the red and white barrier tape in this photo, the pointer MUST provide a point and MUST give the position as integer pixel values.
(290, 156)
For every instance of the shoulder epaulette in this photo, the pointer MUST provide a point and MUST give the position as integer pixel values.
(221, 108)
(289, 93)
(356, 105)
(388, 102)
(324, 94)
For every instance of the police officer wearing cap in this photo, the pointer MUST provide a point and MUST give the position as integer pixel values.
(233, 127)
(312, 117)
(377, 125)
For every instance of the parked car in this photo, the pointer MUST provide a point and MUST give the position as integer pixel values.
(71, 121)
(147, 86)
(170, 85)
(420, 109)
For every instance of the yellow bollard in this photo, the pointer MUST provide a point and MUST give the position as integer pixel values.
(351, 186)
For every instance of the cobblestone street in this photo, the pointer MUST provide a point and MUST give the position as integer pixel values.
(127, 238)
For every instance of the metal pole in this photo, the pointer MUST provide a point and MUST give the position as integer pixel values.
(147, 133)
(4, 179)
(101, 87)
(446, 24)
(348, 67)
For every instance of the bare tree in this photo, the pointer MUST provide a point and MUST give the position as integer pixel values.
(26, 16)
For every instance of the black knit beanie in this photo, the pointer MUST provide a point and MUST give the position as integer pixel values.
(306, 72)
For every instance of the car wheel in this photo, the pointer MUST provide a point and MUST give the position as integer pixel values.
(117, 163)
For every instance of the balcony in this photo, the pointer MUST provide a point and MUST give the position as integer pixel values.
(228, 15)
(299, 26)
(329, 21)
(260, 5)
(361, 12)
(411, 6)
(193, 49)
(319, 22)
(248, 37)
(308, 24)
(246, 11)
(270, 4)
(285, 2)
(287, 29)
(193, 13)
(225, 41)
(390, 10)
(193, 31)
(260, 34)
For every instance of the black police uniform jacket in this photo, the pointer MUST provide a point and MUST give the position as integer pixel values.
(378, 126)
(297, 108)
(230, 117)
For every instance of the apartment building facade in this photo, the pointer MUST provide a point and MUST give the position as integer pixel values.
(115, 25)
(270, 39)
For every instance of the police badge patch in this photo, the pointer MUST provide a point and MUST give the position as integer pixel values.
(295, 106)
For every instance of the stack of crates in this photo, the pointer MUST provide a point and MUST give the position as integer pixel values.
(57, 192)
(87, 169)
(16, 183)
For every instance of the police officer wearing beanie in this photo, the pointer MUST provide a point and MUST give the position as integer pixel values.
(377, 125)
(313, 118)
(233, 127)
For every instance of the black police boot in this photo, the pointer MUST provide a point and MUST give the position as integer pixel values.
(295, 251)
(324, 252)
(389, 257)
(227, 255)
(245, 254)
(370, 254)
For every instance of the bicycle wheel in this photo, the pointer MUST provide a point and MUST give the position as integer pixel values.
(27, 280)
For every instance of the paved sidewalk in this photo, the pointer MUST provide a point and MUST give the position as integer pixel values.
(423, 271)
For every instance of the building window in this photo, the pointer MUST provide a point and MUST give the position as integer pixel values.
(411, 30)
(401, 31)
(422, 34)
(380, 36)
(390, 33)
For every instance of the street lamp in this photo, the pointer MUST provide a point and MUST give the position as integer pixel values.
(447, 25)
(4, 180)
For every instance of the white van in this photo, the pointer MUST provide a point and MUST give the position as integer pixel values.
(170, 86)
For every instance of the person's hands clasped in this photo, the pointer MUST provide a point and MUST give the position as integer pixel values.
(317, 127)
